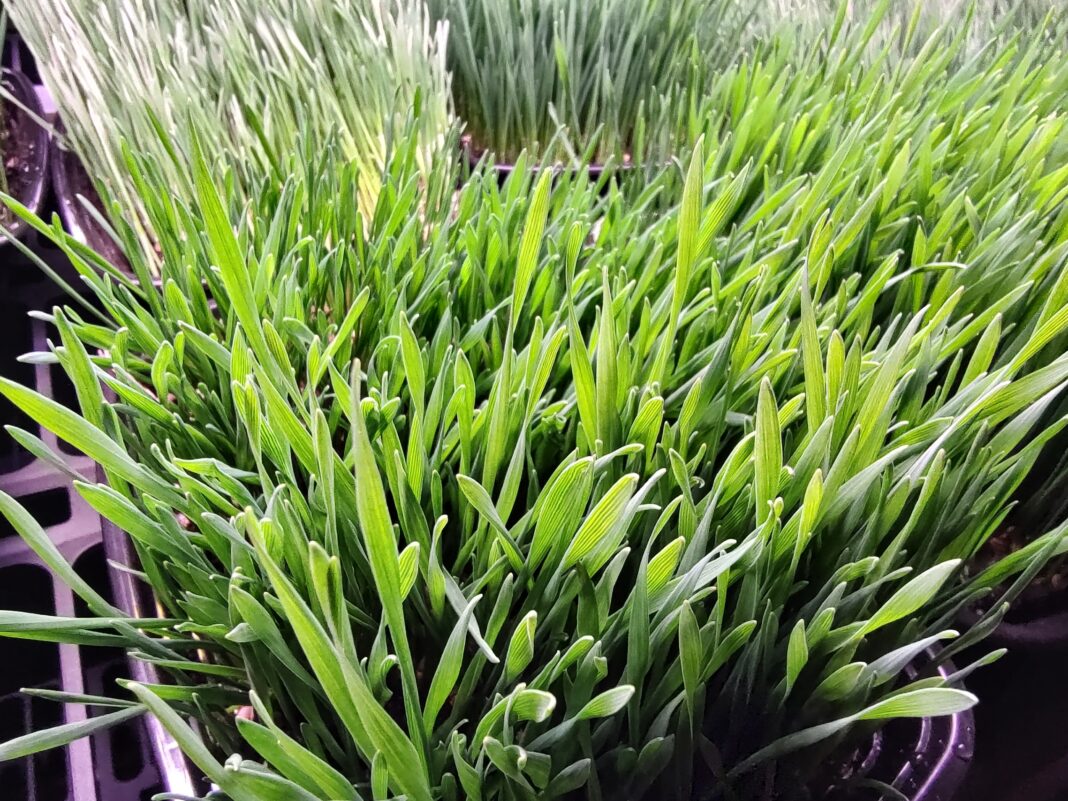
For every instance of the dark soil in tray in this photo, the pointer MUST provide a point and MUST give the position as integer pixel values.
(1042, 505)
(1047, 594)
(24, 146)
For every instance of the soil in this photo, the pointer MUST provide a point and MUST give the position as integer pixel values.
(1046, 594)
(22, 148)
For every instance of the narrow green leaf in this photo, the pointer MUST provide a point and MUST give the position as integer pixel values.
(767, 452)
(911, 597)
(64, 734)
(600, 520)
(607, 703)
(377, 530)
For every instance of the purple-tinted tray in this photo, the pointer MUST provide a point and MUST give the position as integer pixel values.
(925, 759)
(70, 182)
